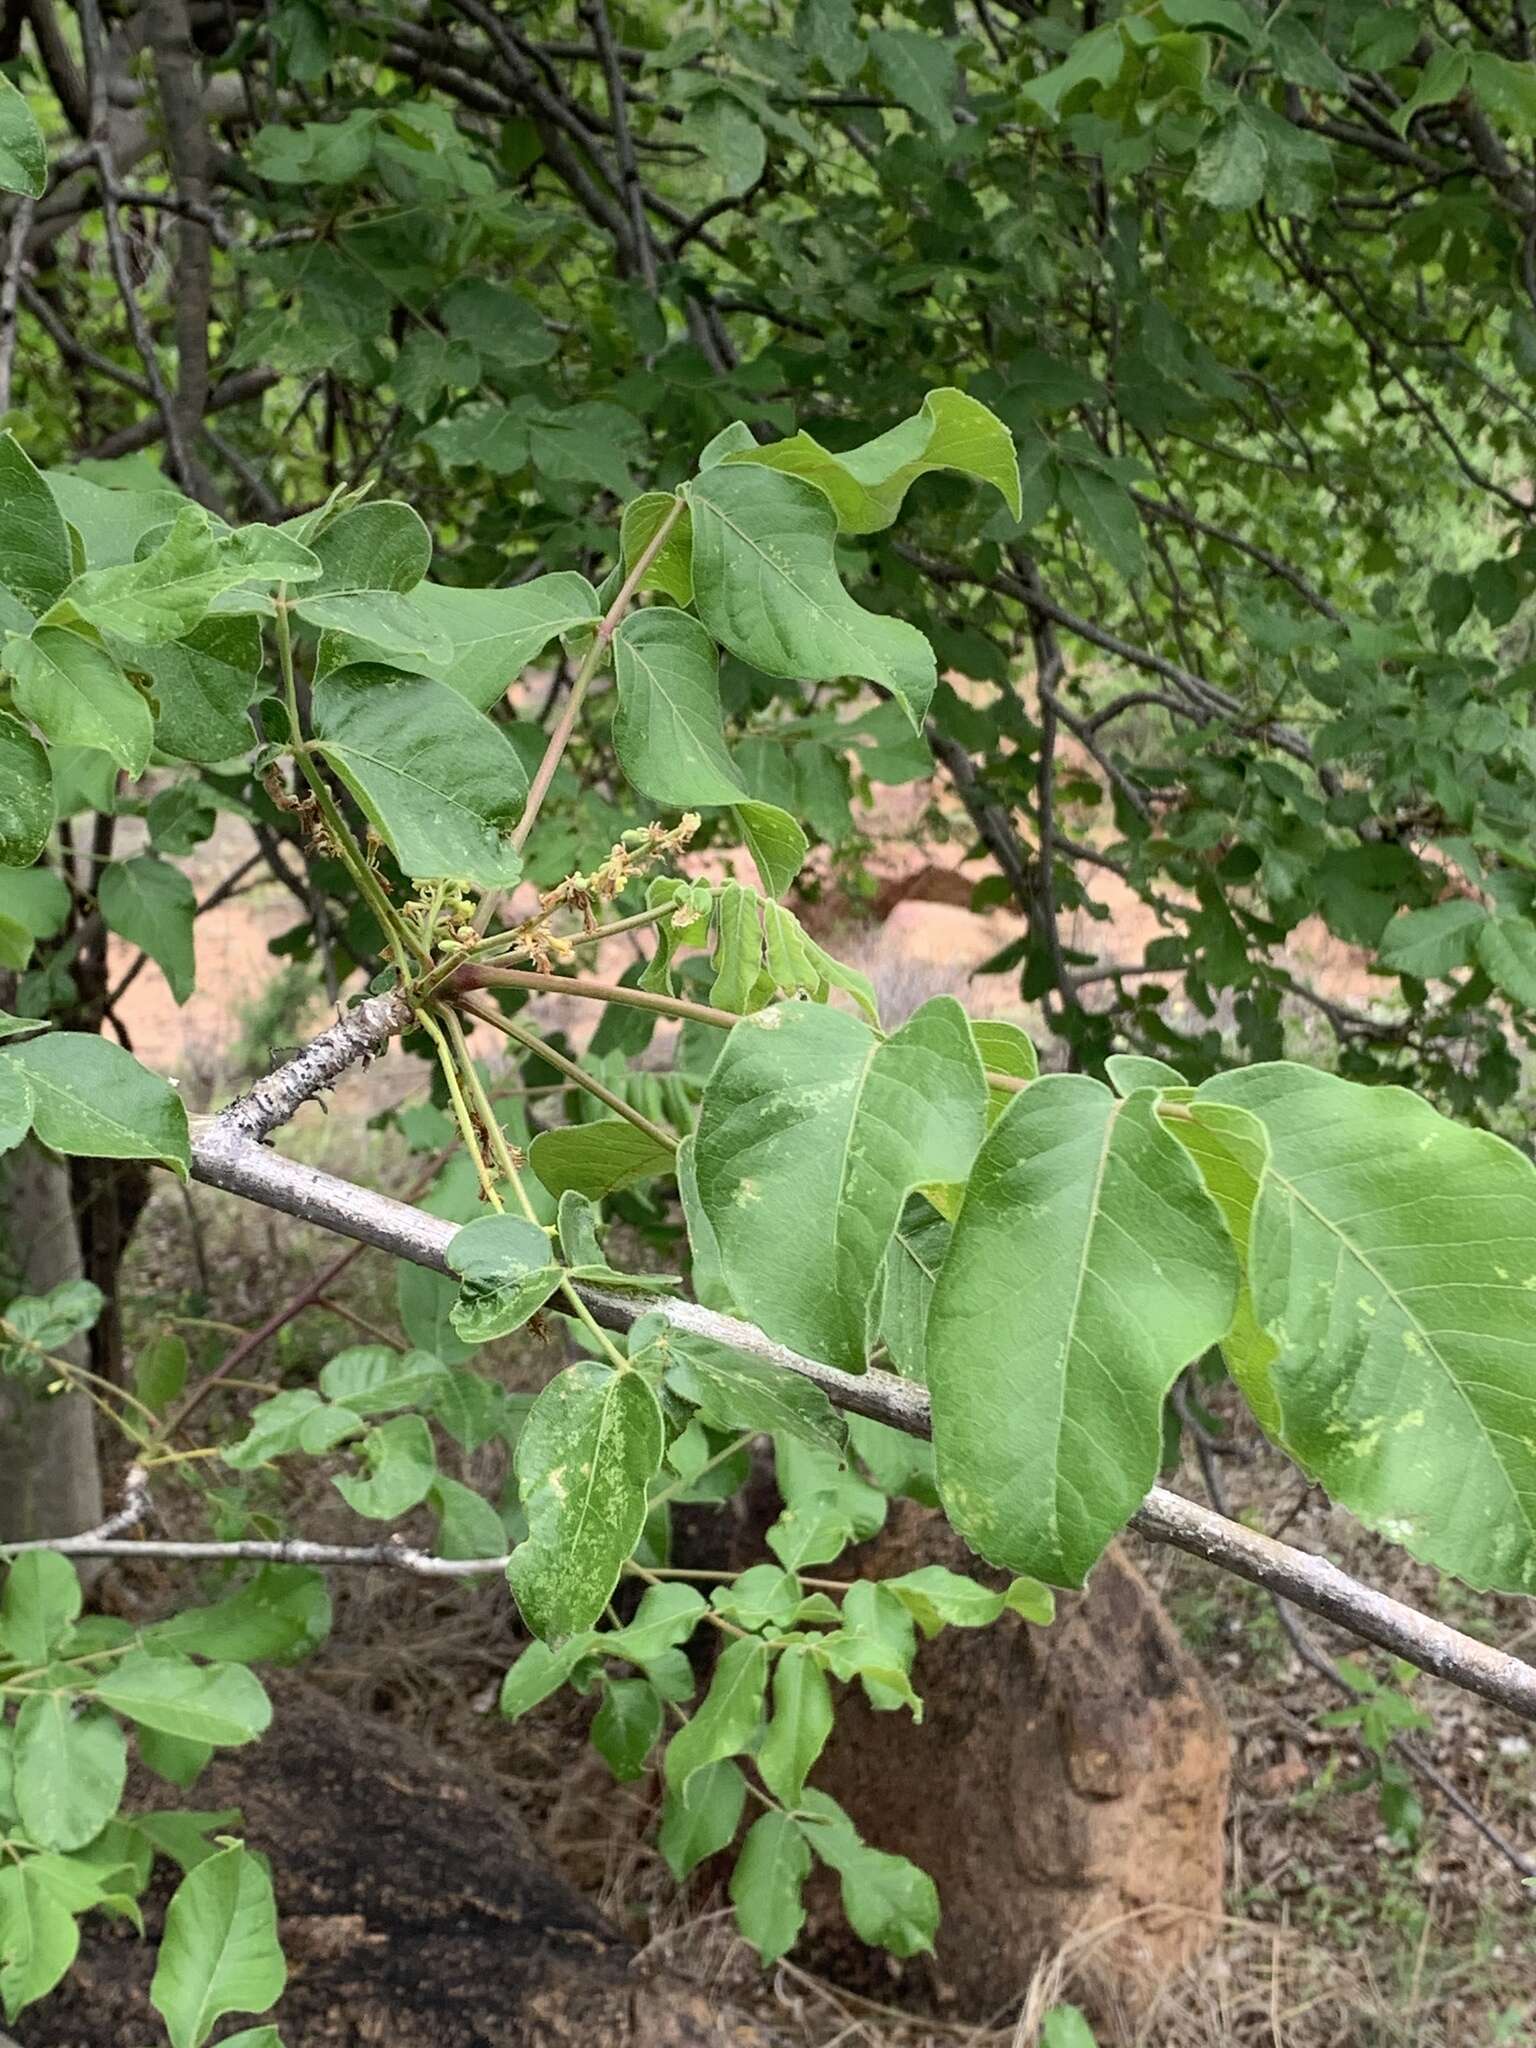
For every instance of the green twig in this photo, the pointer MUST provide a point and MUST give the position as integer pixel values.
(484, 1014)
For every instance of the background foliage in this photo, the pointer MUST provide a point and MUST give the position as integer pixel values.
(1229, 616)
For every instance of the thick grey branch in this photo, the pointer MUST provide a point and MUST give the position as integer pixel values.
(225, 1159)
(358, 1035)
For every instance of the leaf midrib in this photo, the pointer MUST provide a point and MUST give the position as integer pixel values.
(1060, 1416)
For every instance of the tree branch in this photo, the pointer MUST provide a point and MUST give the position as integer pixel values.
(95, 70)
(169, 28)
(226, 1154)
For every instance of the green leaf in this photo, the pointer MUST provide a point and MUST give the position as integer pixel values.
(1442, 79)
(1106, 516)
(735, 1392)
(150, 904)
(877, 1644)
(204, 684)
(507, 1272)
(936, 1598)
(671, 568)
(93, 1100)
(112, 522)
(1507, 89)
(776, 843)
(494, 634)
(628, 1726)
(381, 545)
(50, 1320)
(424, 1303)
(26, 796)
(500, 324)
(38, 1934)
(588, 1452)
(919, 70)
(467, 1524)
(1005, 1049)
(725, 1724)
(1097, 58)
(541, 1671)
(74, 690)
(401, 1468)
(440, 782)
(704, 1823)
(70, 1770)
(219, 1703)
(164, 593)
(370, 1379)
(281, 1614)
(811, 1134)
(889, 1901)
(1405, 1382)
(1223, 17)
(791, 967)
(1229, 170)
(666, 1616)
(738, 950)
(592, 442)
(597, 1159)
(35, 560)
(866, 485)
(169, 1757)
(911, 1269)
(491, 437)
(160, 1372)
(40, 1604)
(767, 1883)
(220, 1950)
(15, 1095)
(371, 560)
(668, 729)
(1506, 948)
(1430, 944)
(763, 1597)
(266, 554)
(802, 1721)
(766, 586)
(1129, 1071)
(23, 153)
(731, 143)
(1065, 2027)
(827, 30)
(1232, 1152)
(1087, 1268)
(39, 900)
(275, 1429)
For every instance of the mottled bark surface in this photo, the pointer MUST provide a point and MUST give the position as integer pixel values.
(1064, 1780)
(416, 1912)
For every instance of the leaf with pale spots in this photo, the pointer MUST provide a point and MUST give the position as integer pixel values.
(812, 1133)
(1393, 1262)
(507, 1272)
(1087, 1267)
(589, 1450)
